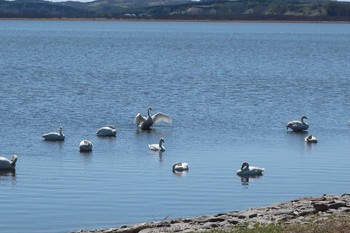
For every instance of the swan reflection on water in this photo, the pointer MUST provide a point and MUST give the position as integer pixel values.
(180, 173)
(245, 178)
(11, 173)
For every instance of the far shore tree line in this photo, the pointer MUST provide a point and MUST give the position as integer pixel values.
(292, 10)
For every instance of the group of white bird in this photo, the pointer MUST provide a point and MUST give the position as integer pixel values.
(145, 123)
(298, 126)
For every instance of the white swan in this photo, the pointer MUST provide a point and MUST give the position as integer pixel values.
(85, 146)
(157, 147)
(6, 164)
(107, 131)
(179, 167)
(310, 139)
(246, 170)
(146, 123)
(53, 136)
(298, 125)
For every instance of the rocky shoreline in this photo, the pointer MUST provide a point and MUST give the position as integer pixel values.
(300, 211)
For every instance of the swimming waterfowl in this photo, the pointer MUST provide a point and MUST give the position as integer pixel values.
(179, 167)
(157, 147)
(247, 170)
(146, 123)
(54, 136)
(298, 125)
(85, 146)
(6, 164)
(107, 131)
(310, 139)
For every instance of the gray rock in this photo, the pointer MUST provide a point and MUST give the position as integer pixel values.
(337, 204)
(320, 206)
(210, 225)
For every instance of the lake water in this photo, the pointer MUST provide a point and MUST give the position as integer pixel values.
(230, 89)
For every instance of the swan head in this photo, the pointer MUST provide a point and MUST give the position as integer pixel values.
(310, 138)
(245, 165)
(161, 141)
(303, 117)
(60, 129)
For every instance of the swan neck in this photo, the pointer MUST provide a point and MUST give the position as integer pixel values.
(302, 120)
(13, 160)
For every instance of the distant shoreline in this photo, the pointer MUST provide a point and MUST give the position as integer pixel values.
(179, 20)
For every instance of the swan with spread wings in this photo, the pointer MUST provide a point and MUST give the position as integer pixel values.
(145, 123)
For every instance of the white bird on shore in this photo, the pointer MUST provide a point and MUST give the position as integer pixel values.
(107, 131)
(6, 164)
(310, 139)
(179, 167)
(246, 170)
(85, 146)
(146, 123)
(298, 125)
(157, 147)
(54, 136)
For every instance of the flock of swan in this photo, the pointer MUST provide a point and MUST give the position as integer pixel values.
(145, 123)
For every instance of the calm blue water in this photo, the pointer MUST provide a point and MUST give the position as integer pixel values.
(229, 87)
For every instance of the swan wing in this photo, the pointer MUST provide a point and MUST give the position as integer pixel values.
(139, 119)
(297, 125)
(106, 131)
(53, 136)
(159, 117)
(154, 147)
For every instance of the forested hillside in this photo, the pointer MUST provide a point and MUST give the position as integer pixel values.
(180, 10)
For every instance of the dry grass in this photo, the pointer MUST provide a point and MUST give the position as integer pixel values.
(336, 224)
